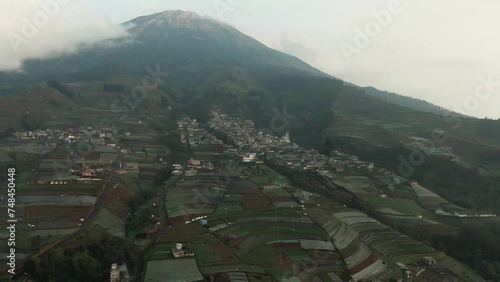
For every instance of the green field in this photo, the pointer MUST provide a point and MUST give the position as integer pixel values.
(405, 206)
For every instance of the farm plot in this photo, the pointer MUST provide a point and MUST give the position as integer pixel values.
(214, 253)
(116, 201)
(187, 200)
(110, 222)
(182, 270)
(395, 247)
(184, 233)
(263, 175)
(395, 205)
(71, 189)
(161, 252)
(368, 268)
(31, 148)
(348, 186)
(431, 201)
(53, 232)
(4, 158)
(252, 242)
(40, 214)
(255, 201)
(128, 182)
(242, 186)
(46, 200)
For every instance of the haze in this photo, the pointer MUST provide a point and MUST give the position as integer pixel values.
(438, 51)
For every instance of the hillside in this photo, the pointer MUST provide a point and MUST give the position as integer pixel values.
(177, 64)
(212, 64)
(409, 102)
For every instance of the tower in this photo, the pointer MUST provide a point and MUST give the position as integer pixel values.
(286, 138)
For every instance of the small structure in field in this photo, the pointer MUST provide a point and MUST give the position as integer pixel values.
(180, 251)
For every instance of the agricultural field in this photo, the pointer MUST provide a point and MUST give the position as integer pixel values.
(173, 270)
(262, 175)
(395, 206)
(431, 201)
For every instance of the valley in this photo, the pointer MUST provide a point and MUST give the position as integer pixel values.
(188, 151)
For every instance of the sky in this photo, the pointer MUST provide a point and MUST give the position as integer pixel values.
(445, 52)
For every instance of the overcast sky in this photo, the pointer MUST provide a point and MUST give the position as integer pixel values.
(434, 50)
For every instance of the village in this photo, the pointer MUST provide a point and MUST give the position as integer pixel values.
(226, 205)
(254, 221)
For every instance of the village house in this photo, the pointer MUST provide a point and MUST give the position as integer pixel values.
(180, 251)
(130, 167)
(119, 273)
(428, 262)
(89, 173)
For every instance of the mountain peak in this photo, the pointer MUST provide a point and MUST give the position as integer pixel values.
(178, 16)
(175, 19)
(178, 13)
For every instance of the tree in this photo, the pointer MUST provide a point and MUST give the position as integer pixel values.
(86, 267)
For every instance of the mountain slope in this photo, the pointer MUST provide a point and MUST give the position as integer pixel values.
(213, 65)
(409, 102)
(177, 41)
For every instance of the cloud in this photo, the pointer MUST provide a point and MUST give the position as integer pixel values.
(298, 49)
(40, 29)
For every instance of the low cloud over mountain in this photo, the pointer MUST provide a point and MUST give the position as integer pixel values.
(44, 29)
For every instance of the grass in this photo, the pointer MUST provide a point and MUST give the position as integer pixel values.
(73, 189)
(260, 255)
(265, 175)
(161, 252)
(206, 255)
(324, 277)
(405, 206)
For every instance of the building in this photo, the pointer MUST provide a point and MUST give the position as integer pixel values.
(193, 162)
(89, 173)
(249, 158)
(119, 273)
(428, 262)
(191, 172)
(180, 251)
(286, 138)
(42, 181)
(130, 167)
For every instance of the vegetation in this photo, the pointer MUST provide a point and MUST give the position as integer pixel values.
(409, 102)
(61, 88)
(162, 175)
(279, 93)
(89, 262)
(30, 123)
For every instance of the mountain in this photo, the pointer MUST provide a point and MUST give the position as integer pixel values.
(409, 102)
(181, 42)
(212, 64)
